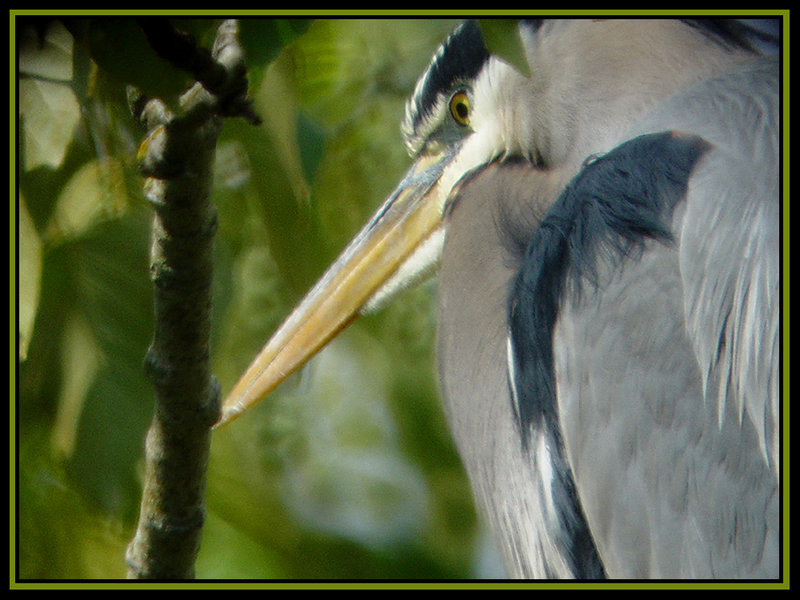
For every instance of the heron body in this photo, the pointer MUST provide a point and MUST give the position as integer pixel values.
(606, 231)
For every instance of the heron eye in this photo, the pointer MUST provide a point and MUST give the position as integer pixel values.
(459, 108)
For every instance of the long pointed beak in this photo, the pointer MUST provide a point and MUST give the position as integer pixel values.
(410, 215)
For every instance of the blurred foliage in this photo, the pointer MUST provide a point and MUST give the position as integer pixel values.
(348, 470)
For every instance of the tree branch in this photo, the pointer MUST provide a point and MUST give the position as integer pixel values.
(221, 72)
(177, 158)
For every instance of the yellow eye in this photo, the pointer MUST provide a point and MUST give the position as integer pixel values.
(459, 108)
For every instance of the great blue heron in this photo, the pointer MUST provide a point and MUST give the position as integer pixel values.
(607, 232)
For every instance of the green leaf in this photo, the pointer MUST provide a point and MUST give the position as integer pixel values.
(49, 113)
(96, 192)
(112, 291)
(502, 40)
(263, 40)
(275, 101)
(30, 276)
(49, 57)
(80, 358)
(121, 49)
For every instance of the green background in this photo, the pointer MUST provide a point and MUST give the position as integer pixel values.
(347, 471)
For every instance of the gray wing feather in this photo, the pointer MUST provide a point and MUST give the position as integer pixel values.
(729, 251)
(729, 246)
(728, 241)
(668, 376)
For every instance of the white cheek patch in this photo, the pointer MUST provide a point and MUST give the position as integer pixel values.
(482, 146)
(422, 263)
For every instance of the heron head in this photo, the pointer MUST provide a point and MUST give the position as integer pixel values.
(450, 131)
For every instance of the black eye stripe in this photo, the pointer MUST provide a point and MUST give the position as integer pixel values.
(459, 59)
